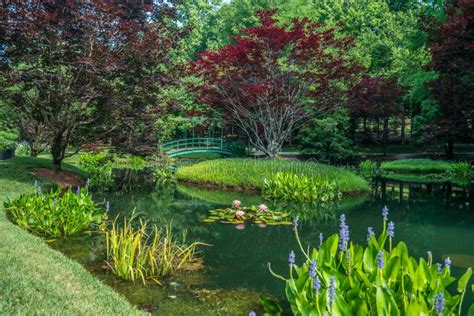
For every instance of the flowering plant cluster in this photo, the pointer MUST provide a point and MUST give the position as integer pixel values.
(340, 277)
(57, 213)
(238, 215)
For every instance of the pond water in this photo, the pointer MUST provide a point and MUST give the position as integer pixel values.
(434, 217)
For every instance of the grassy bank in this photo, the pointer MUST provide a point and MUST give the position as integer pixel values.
(250, 174)
(35, 279)
(416, 166)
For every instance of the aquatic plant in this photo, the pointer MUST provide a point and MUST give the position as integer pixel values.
(300, 188)
(99, 168)
(146, 252)
(238, 215)
(56, 213)
(371, 280)
(368, 169)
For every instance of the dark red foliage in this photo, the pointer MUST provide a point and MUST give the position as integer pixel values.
(453, 59)
(375, 98)
(274, 77)
(91, 69)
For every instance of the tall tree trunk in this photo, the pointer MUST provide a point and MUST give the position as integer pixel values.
(402, 131)
(58, 150)
(385, 135)
(449, 148)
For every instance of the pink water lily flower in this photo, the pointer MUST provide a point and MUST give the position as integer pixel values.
(262, 207)
(240, 226)
(262, 225)
(236, 204)
(240, 213)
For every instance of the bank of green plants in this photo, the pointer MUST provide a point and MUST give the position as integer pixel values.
(137, 250)
(368, 169)
(99, 168)
(461, 173)
(300, 188)
(250, 174)
(55, 213)
(7, 140)
(36, 279)
(416, 166)
(339, 277)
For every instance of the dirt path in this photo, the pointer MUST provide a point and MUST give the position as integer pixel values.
(63, 178)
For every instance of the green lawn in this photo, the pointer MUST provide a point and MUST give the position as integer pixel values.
(416, 166)
(35, 279)
(250, 173)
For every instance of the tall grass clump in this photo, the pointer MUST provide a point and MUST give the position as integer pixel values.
(368, 169)
(56, 213)
(300, 188)
(99, 168)
(461, 173)
(250, 174)
(146, 252)
(339, 277)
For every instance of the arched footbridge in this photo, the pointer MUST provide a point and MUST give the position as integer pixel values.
(186, 146)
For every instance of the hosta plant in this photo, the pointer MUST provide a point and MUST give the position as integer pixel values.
(300, 188)
(238, 215)
(339, 277)
(56, 213)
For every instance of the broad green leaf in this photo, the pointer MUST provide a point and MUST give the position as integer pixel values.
(462, 283)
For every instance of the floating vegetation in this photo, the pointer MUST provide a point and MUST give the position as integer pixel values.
(237, 215)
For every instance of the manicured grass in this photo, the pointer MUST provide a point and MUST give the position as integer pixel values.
(416, 166)
(250, 174)
(35, 279)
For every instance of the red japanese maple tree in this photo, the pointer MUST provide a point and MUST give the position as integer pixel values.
(453, 59)
(274, 77)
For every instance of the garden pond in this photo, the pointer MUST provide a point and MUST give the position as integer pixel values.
(234, 275)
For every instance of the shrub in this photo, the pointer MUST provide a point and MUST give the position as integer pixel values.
(56, 214)
(368, 169)
(460, 173)
(7, 140)
(343, 278)
(99, 168)
(140, 253)
(23, 149)
(300, 188)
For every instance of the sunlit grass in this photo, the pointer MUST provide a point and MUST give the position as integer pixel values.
(251, 174)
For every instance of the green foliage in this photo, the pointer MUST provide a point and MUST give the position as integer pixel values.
(7, 140)
(416, 166)
(260, 215)
(250, 174)
(461, 173)
(377, 279)
(368, 169)
(146, 254)
(300, 188)
(99, 168)
(327, 138)
(56, 214)
(23, 149)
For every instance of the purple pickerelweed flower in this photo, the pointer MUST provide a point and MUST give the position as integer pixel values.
(313, 265)
(440, 268)
(252, 313)
(332, 291)
(36, 184)
(39, 190)
(391, 229)
(385, 213)
(439, 304)
(343, 233)
(321, 238)
(107, 206)
(54, 203)
(88, 183)
(78, 190)
(317, 285)
(447, 263)
(370, 233)
(291, 258)
(380, 260)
